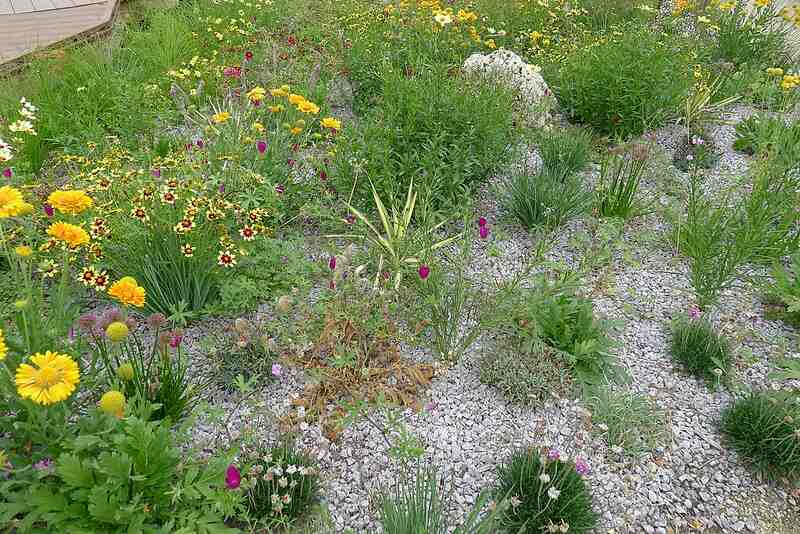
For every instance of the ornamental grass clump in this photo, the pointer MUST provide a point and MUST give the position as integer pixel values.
(565, 151)
(696, 345)
(547, 199)
(764, 428)
(546, 494)
(282, 486)
(620, 174)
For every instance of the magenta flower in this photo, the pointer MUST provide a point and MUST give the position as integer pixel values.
(482, 222)
(280, 189)
(156, 173)
(483, 231)
(350, 219)
(553, 454)
(694, 313)
(221, 188)
(290, 162)
(261, 146)
(232, 477)
(332, 263)
(332, 285)
(48, 210)
(248, 56)
(424, 271)
(7, 172)
(323, 175)
(199, 144)
(175, 339)
(292, 40)
(45, 464)
(581, 467)
(277, 370)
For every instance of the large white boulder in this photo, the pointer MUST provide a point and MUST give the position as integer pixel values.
(509, 70)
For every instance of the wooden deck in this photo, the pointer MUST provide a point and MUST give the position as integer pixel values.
(29, 25)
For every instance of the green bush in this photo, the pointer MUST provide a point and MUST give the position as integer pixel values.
(620, 175)
(746, 38)
(631, 422)
(284, 486)
(624, 85)
(526, 375)
(566, 322)
(564, 151)
(547, 200)
(764, 428)
(696, 345)
(545, 491)
(784, 290)
(243, 349)
(442, 131)
(756, 133)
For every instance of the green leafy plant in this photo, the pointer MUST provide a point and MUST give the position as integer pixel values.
(545, 492)
(283, 486)
(625, 84)
(566, 322)
(545, 199)
(746, 36)
(696, 345)
(784, 290)
(755, 134)
(118, 474)
(626, 420)
(764, 428)
(421, 503)
(695, 150)
(441, 131)
(620, 175)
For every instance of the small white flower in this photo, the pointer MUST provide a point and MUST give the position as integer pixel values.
(553, 493)
(283, 482)
(545, 478)
(292, 469)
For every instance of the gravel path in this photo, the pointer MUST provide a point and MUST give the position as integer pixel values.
(690, 483)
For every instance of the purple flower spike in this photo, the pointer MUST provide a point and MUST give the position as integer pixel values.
(7, 172)
(261, 146)
(694, 313)
(553, 454)
(48, 210)
(483, 232)
(332, 263)
(482, 222)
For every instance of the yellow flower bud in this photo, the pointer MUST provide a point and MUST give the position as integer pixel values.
(125, 371)
(117, 331)
(113, 403)
(23, 251)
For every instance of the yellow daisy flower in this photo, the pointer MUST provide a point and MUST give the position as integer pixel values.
(52, 378)
(74, 236)
(128, 291)
(71, 202)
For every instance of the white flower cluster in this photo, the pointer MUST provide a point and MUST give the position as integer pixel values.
(509, 70)
(5, 151)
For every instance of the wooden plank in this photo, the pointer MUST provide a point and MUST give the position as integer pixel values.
(42, 5)
(26, 32)
(5, 7)
(22, 6)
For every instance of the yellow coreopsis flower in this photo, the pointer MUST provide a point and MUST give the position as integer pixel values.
(308, 107)
(52, 378)
(296, 99)
(762, 3)
(220, 117)
(23, 251)
(71, 202)
(330, 122)
(128, 291)
(275, 109)
(74, 236)
(113, 403)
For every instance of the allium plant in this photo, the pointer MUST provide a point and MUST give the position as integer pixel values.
(546, 494)
(282, 484)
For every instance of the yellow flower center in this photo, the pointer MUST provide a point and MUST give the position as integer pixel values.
(47, 377)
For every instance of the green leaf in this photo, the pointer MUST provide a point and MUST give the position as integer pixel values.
(73, 472)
